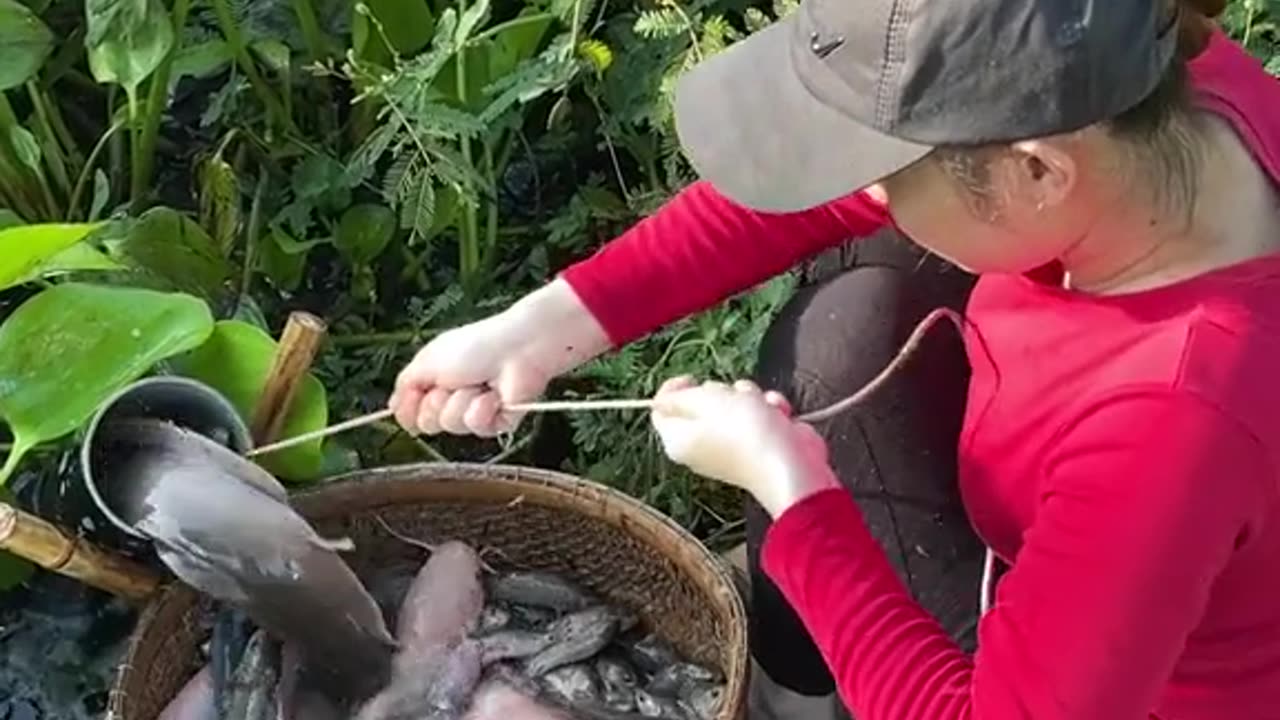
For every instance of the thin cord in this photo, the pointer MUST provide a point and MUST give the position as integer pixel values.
(908, 348)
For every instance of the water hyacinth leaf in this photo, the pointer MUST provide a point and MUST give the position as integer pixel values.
(23, 248)
(126, 41)
(175, 250)
(25, 43)
(77, 258)
(364, 232)
(67, 349)
(236, 360)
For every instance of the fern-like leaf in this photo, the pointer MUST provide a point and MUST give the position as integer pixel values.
(661, 23)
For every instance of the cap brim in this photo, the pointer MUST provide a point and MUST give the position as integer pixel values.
(753, 130)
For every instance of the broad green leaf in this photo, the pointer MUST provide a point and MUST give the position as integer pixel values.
(283, 258)
(25, 43)
(13, 570)
(126, 41)
(24, 247)
(175, 249)
(77, 258)
(236, 360)
(364, 231)
(408, 25)
(200, 60)
(67, 349)
(27, 147)
(273, 53)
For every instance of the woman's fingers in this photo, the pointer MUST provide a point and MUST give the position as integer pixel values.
(776, 399)
(453, 412)
(428, 420)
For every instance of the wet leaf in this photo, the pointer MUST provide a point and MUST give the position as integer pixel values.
(126, 41)
(235, 360)
(364, 231)
(174, 249)
(25, 43)
(24, 247)
(68, 348)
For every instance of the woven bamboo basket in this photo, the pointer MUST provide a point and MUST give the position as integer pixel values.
(626, 552)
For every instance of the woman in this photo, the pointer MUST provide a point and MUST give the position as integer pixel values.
(1118, 441)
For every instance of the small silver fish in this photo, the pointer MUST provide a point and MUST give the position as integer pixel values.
(252, 693)
(514, 644)
(577, 636)
(704, 699)
(528, 617)
(492, 619)
(651, 653)
(616, 671)
(658, 706)
(576, 683)
(672, 680)
(539, 588)
(194, 701)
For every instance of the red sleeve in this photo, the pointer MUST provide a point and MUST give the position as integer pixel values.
(701, 248)
(1142, 504)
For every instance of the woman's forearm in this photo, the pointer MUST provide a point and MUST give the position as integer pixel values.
(701, 248)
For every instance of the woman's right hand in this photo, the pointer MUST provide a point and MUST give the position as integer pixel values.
(460, 382)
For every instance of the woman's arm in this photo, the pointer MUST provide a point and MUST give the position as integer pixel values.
(1144, 504)
(701, 248)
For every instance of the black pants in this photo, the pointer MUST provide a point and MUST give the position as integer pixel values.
(896, 453)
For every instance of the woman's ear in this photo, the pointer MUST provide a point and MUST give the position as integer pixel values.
(1045, 172)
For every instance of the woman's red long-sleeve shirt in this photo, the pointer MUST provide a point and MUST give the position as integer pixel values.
(1120, 453)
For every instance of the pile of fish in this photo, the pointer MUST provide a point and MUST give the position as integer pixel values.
(300, 636)
(526, 645)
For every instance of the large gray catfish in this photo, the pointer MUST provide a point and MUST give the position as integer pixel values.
(224, 526)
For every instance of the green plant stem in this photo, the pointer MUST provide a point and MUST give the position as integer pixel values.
(469, 240)
(491, 208)
(230, 31)
(73, 205)
(144, 149)
(31, 177)
(252, 234)
(317, 48)
(511, 24)
(55, 155)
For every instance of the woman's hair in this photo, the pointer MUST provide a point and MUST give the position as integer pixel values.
(1158, 140)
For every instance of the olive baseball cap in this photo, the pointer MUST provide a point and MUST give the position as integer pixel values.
(843, 93)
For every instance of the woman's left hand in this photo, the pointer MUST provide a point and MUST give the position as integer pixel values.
(742, 436)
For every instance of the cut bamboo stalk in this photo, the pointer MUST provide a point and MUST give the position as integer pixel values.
(299, 342)
(52, 548)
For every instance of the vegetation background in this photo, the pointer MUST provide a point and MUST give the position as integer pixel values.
(176, 176)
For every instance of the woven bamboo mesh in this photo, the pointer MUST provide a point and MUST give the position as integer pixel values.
(532, 519)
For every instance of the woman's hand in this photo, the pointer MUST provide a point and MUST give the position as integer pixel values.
(744, 437)
(460, 382)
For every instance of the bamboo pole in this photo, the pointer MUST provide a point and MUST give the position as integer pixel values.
(298, 345)
(52, 548)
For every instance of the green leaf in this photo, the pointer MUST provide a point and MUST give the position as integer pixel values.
(176, 250)
(476, 15)
(236, 360)
(67, 349)
(283, 258)
(408, 25)
(519, 41)
(126, 41)
(200, 60)
(8, 219)
(27, 147)
(77, 258)
(24, 247)
(25, 43)
(101, 194)
(364, 231)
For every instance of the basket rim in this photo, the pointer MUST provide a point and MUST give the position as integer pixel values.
(552, 488)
